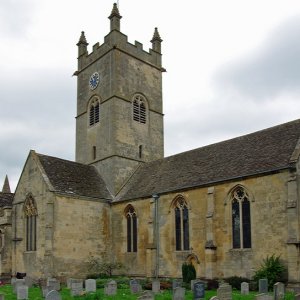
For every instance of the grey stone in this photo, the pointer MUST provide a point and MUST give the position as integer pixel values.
(110, 288)
(90, 285)
(155, 286)
(17, 283)
(297, 297)
(29, 281)
(224, 292)
(178, 293)
(135, 286)
(263, 296)
(199, 290)
(263, 286)
(76, 287)
(279, 291)
(176, 283)
(193, 282)
(22, 292)
(245, 288)
(146, 295)
(214, 298)
(45, 291)
(53, 295)
(53, 284)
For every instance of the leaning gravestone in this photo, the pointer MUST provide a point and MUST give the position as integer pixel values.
(279, 291)
(178, 293)
(147, 295)
(22, 292)
(90, 285)
(155, 286)
(224, 292)
(263, 297)
(76, 287)
(135, 286)
(245, 288)
(53, 295)
(110, 288)
(199, 290)
(263, 286)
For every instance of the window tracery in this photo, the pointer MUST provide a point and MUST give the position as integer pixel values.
(131, 218)
(94, 112)
(30, 212)
(139, 109)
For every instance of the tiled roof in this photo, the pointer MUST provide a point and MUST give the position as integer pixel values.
(6, 199)
(74, 178)
(257, 153)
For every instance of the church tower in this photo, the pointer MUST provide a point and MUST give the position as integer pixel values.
(119, 122)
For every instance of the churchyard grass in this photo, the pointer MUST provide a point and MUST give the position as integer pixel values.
(123, 294)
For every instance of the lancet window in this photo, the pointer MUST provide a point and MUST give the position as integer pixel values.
(30, 212)
(94, 112)
(131, 219)
(139, 109)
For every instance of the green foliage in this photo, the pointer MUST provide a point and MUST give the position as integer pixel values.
(103, 268)
(235, 281)
(273, 269)
(188, 272)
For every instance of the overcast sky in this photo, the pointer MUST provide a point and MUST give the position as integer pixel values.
(233, 67)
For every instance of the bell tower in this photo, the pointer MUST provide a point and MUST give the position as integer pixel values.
(119, 122)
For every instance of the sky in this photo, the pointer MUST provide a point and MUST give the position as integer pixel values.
(233, 67)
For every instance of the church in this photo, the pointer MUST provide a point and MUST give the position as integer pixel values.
(222, 207)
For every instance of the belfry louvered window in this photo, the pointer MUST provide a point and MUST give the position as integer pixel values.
(139, 109)
(181, 224)
(241, 222)
(131, 218)
(94, 112)
(30, 212)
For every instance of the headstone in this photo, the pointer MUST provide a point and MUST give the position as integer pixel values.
(53, 284)
(297, 297)
(146, 295)
(155, 286)
(53, 295)
(224, 292)
(22, 292)
(110, 288)
(193, 282)
(176, 283)
(245, 288)
(178, 293)
(69, 280)
(199, 290)
(263, 286)
(214, 298)
(13, 280)
(279, 291)
(2, 297)
(135, 286)
(76, 287)
(90, 285)
(17, 283)
(263, 297)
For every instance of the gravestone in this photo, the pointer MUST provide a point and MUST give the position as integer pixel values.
(13, 280)
(135, 286)
(178, 293)
(53, 284)
(193, 282)
(69, 281)
(90, 285)
(45, 291)
(2, 297)
(263, 297)
(279, 291)
(297, 297)
(245, 288)
(146, 295)
(263, 286)
(53, 295)
(155, 286)
(22, 292)
(17, 283)
(224, 292)
(214, 298)
(110, 288)
(76, 287)
(199, 290)
(176, 283)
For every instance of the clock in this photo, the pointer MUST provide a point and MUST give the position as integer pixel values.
(94, 80)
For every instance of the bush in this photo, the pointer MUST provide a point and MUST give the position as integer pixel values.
(188, 272)
(235, 281)
(273, 269)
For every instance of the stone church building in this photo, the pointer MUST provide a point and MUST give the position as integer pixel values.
(222, 207)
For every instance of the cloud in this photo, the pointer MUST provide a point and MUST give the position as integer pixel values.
(272, 70)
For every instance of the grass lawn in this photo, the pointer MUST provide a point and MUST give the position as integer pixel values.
(123, 294)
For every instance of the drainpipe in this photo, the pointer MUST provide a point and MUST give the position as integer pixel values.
(156, 197)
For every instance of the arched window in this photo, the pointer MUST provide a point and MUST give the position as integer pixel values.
(241, 222)
(131, 219)
(181, 224)
(94, 112)
(31, 216)
(139, 109)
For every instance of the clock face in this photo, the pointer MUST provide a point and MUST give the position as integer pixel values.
(94, 80)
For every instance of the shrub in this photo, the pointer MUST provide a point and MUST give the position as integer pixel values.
(235, 281)
(188, 272)
(273, 269)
